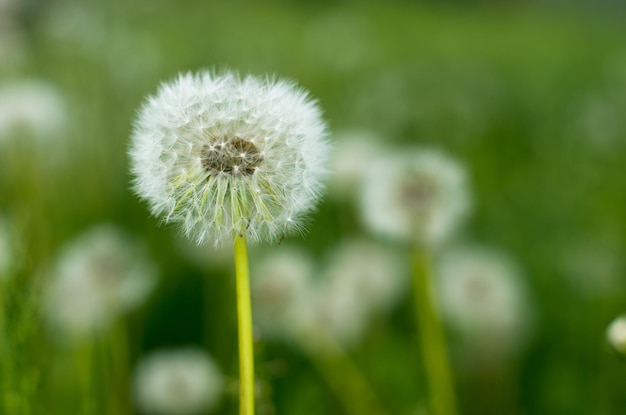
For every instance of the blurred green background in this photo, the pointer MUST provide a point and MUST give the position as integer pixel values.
(531, 99)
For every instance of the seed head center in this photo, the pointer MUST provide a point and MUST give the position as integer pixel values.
(234, 156)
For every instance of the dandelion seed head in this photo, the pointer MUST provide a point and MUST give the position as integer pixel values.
(371, 270)
(281, 293)
(222, 154)
(354, 151)
(616, 334)
(482, 296)
(419, 197)
(96, 277)
(31, 106)
(177, 382)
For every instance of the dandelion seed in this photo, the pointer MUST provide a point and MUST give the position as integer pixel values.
(224, 155)
(417, 197)
(177, 382)
(97, 277)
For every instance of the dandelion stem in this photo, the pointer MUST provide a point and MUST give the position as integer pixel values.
(85, 361)
(244, 319)
(344, 376)
(432, 338)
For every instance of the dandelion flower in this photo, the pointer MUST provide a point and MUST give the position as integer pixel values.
(371, 270)
(354, 151)
(482, 296)
(282, 291)
(417, 197)
(177, 382)
(97, 277)
(616, 334)
(231, 159)
(32, 106)
(225, 155)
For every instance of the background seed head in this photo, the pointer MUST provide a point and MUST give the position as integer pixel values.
(419, 196)
(177, 382)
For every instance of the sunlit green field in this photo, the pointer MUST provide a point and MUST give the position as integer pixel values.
(531, 102)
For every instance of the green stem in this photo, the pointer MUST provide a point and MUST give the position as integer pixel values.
(344, 377)
(120, 381)
(84, 361)
(244, 320)
(432, 337)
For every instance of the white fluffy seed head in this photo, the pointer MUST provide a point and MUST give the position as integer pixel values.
(419, 196)
(222, 155)
(483, 297)
(97, 277)
(282, 293)
(354, 151)
(31, 106)
(616, 334)
(371, 270)
(177, 382)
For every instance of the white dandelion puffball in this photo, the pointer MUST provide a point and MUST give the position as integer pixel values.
(177, 382)
(222, 155)
(482, 295)
(32, 106)
(97, 277)
(616, 334)
(373, 272)
(418, 196)
(352, 156)
(282, 293)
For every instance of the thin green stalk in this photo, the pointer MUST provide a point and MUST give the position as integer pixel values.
(432, 337)
(84, 361)
(119, 382)
(344, 377)
(244, 320)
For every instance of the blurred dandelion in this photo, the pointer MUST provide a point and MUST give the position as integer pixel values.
(616, 334)
(231, 158)
(282, 293)
(34, 107)
(177, 382)
(354, 151)
(97, 277)
(419, 197)
(482, 297)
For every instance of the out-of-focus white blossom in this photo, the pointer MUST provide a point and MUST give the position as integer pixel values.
(616, 334)
(371, 270)
(96, 278)
(223, 155)
(295, 301)
(352, 157)
(482, 296)
(177, 382)
(282, 293)
(418, 196)
(31, 106)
